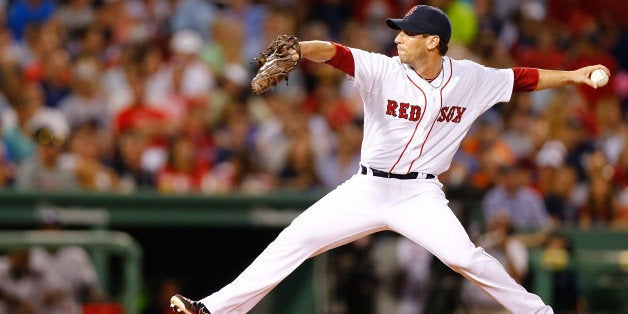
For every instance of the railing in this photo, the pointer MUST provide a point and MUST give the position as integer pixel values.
(153, 210)
(599, 261)
(106, 242)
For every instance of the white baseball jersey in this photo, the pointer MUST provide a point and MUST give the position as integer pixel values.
(413, 125)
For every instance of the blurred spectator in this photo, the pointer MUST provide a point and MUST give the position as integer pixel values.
(130, 149)
(620, 180)
(27, 116)
(359, 36)
(91, 41)
(46, 62)
(331, 13)
(235, 131)
(567, 121)
(84, 157)
(613, 130)
(5, 166)
(327, 101)
(56, 76)
(356, 282)
(15, 134)
(272, 136)
(72, 263)
(498, 241)
(233, 85)
(600, 208)
(28, 286)
(24, 12)
(43, 172)
(550, 156)
(196, 127)
(252, 17)
(512, 197)
(589, 49)
(75, 15)
(517, 121)
(543, 53)
(41, 116)
(299, 171)
(86, 101)
(10, 57)
(193, 14)
(116, 78)
(340, 164)
(163, 90)
(226, 46)
(151, 18)
(558, 258)
(488, 149)
(184, 172)
(195, 79)
(370, 14)
(139, 116)
(559, 196)
(238, 174)
(414, 279)
(123, 20)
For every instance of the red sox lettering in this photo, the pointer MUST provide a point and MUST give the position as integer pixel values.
(409, 112)
(403, 110)
(451, 114)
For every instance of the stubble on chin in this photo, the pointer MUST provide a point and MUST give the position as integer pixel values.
(402, 57)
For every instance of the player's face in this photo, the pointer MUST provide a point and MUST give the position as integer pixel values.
(411, 48)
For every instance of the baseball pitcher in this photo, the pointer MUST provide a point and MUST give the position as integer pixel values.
(418, 106)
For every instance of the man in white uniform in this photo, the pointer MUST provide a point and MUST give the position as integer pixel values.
(418, 106)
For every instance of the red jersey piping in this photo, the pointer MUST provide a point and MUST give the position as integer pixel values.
(416, 126)
(451, 71)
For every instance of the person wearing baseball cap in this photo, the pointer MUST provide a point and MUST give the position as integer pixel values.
(418, 107)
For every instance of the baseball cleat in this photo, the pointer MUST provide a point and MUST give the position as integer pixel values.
(182, 305)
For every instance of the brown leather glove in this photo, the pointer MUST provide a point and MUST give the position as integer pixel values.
(275, 63)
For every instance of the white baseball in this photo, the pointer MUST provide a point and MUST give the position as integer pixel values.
(599, 77)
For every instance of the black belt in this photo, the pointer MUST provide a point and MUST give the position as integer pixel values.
(384, 174)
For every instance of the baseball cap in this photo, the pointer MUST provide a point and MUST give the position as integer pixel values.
(186, 41)
(424, 19)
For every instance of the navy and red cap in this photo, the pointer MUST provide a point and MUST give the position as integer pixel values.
(424, 19)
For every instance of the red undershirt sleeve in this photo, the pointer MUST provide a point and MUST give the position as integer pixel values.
(342, 60)
(526, 79)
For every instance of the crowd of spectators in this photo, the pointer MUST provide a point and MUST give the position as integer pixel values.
(130, 95)
(122, 96)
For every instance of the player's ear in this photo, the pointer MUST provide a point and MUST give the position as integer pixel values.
(433, 42)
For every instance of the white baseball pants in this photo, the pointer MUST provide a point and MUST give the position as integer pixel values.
(416, 209)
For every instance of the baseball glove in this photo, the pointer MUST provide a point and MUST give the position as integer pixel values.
(275, 63)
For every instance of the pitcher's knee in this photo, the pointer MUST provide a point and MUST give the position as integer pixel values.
(466, 261)
(310, 241)
(302, 238)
